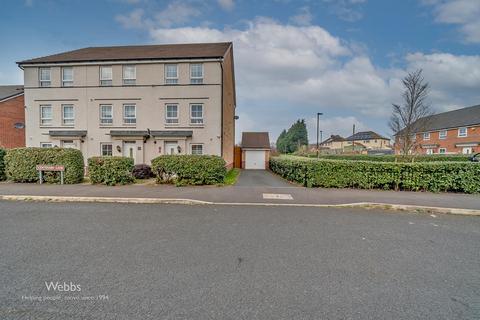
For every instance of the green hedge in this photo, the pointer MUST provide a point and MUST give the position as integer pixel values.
(20, 164)
(426, 176)
(393, 158)
(2, 165)
(110, 170)
(189, 169)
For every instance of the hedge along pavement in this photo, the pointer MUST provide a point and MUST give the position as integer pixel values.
(20, 164)
(110, 170)
(2, 164)
(189, 169)
(426, 176)
(391, 158)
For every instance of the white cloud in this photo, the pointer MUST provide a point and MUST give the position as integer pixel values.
(134, 19)
(226, 4)
(303, 18)
(347, 10)
(464, 13)
(176, 13)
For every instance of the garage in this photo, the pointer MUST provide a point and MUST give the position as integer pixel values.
(255, 150)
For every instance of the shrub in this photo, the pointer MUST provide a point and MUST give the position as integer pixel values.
(2, 164)
(392, 158)
(20, 164)
(110, 170)
(426, 176)
(189, 169)
(142, 171)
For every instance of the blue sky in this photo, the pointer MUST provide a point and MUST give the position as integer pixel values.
(344, 58)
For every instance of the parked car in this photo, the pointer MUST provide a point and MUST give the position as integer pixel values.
(475, 157)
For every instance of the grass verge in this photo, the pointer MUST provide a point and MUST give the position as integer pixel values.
(231, 177)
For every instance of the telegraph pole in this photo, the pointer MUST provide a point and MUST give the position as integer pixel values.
(318, 127)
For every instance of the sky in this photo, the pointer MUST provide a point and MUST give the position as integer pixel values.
(293, 58)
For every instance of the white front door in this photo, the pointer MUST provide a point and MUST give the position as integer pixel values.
(171, 147)
(467, 150)
(69, 144)
(254, 159)
(429, 151)
(129, 149)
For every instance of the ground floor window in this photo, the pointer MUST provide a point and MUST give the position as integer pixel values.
(197, 148)
(106, 149)
(429, 151)
(46, 145)
(442, 150)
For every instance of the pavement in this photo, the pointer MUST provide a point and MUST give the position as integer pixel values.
(284, 193)
(235, 262)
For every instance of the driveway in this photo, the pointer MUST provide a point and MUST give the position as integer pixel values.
(261, 178)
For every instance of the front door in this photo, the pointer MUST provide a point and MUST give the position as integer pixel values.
(467, 150)
(129, 149)
(171, 147)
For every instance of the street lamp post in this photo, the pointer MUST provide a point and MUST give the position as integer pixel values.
(318, 127)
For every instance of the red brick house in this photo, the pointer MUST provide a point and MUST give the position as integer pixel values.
(12, 117)
(452, 132)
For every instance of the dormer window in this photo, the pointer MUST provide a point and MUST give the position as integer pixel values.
(44, 77)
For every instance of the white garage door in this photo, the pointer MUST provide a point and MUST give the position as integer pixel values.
(254, 159)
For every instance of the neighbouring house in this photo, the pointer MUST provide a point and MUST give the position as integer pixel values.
(135, 101)
(334, 142)
(12, 117)
(255, 150)
(370, 140)
(452, 132)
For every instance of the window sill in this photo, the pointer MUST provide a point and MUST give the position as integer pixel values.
(172, 125)
(194, 125)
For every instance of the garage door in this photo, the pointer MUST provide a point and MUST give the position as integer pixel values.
(254, 159)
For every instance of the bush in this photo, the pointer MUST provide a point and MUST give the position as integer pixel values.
(142, 171)
(110, 170)
(189, 169)
(426, 176)
(392, 158)
(2, 164)
(20, 164)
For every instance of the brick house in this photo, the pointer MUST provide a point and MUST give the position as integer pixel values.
(452, 132)
(12, 117)
(370, 140)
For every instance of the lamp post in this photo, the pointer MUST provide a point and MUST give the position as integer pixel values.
(318, 127)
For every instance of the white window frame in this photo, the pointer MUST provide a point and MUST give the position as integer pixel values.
(430, 151)
(171, 80)
(426, 136)
(46, 145)
(130, 120)
(129, 81)
(63, 142)
(463, 135)
(103, 144)
(102, 118)
(44, 83)
(196, 79)
(67, 82)
(196, 145)
(72, 123)
(106, 82)
(171, 120)
(46, 121)
(442, 134)
(196, 120)
(440, 150)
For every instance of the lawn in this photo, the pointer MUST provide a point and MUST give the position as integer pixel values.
(231, 176)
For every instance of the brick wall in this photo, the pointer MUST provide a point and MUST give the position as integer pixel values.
(12, 111)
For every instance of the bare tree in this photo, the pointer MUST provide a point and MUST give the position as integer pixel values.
(412, 116)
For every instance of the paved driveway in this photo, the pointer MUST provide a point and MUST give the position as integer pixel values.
(261, 178)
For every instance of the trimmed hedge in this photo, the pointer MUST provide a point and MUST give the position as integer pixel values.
(2, 165)
(20, 164)
(189, 169)
(393, 158)
(426, 176)
(110, 170)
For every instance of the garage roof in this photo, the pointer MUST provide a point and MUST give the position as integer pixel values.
(255, 140)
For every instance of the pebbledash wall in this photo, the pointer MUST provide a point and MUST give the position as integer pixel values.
(150, 95)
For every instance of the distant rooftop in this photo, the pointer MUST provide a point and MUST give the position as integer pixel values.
(365, 135)
(144, 52)
(10, 91)
(452, 119)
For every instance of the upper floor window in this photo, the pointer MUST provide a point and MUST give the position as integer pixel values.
(462, 132)
(196, 114)
(442, 134)
(68, 115)
(171, 113)
(106, 114)
(106, 75)
(129, 75)
(196, 73)
(46, 115)
(44, 77)
(67, 76)
(426, 136)
(197, 148)
(171, 74)
(129, 114)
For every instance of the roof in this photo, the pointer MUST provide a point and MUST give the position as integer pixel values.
(255, 140)
(365, 135)
(334, 138)
(144, 52)
(10, 91)
(171, 133)
(128, 133)
(452, 119)
(67, 133)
